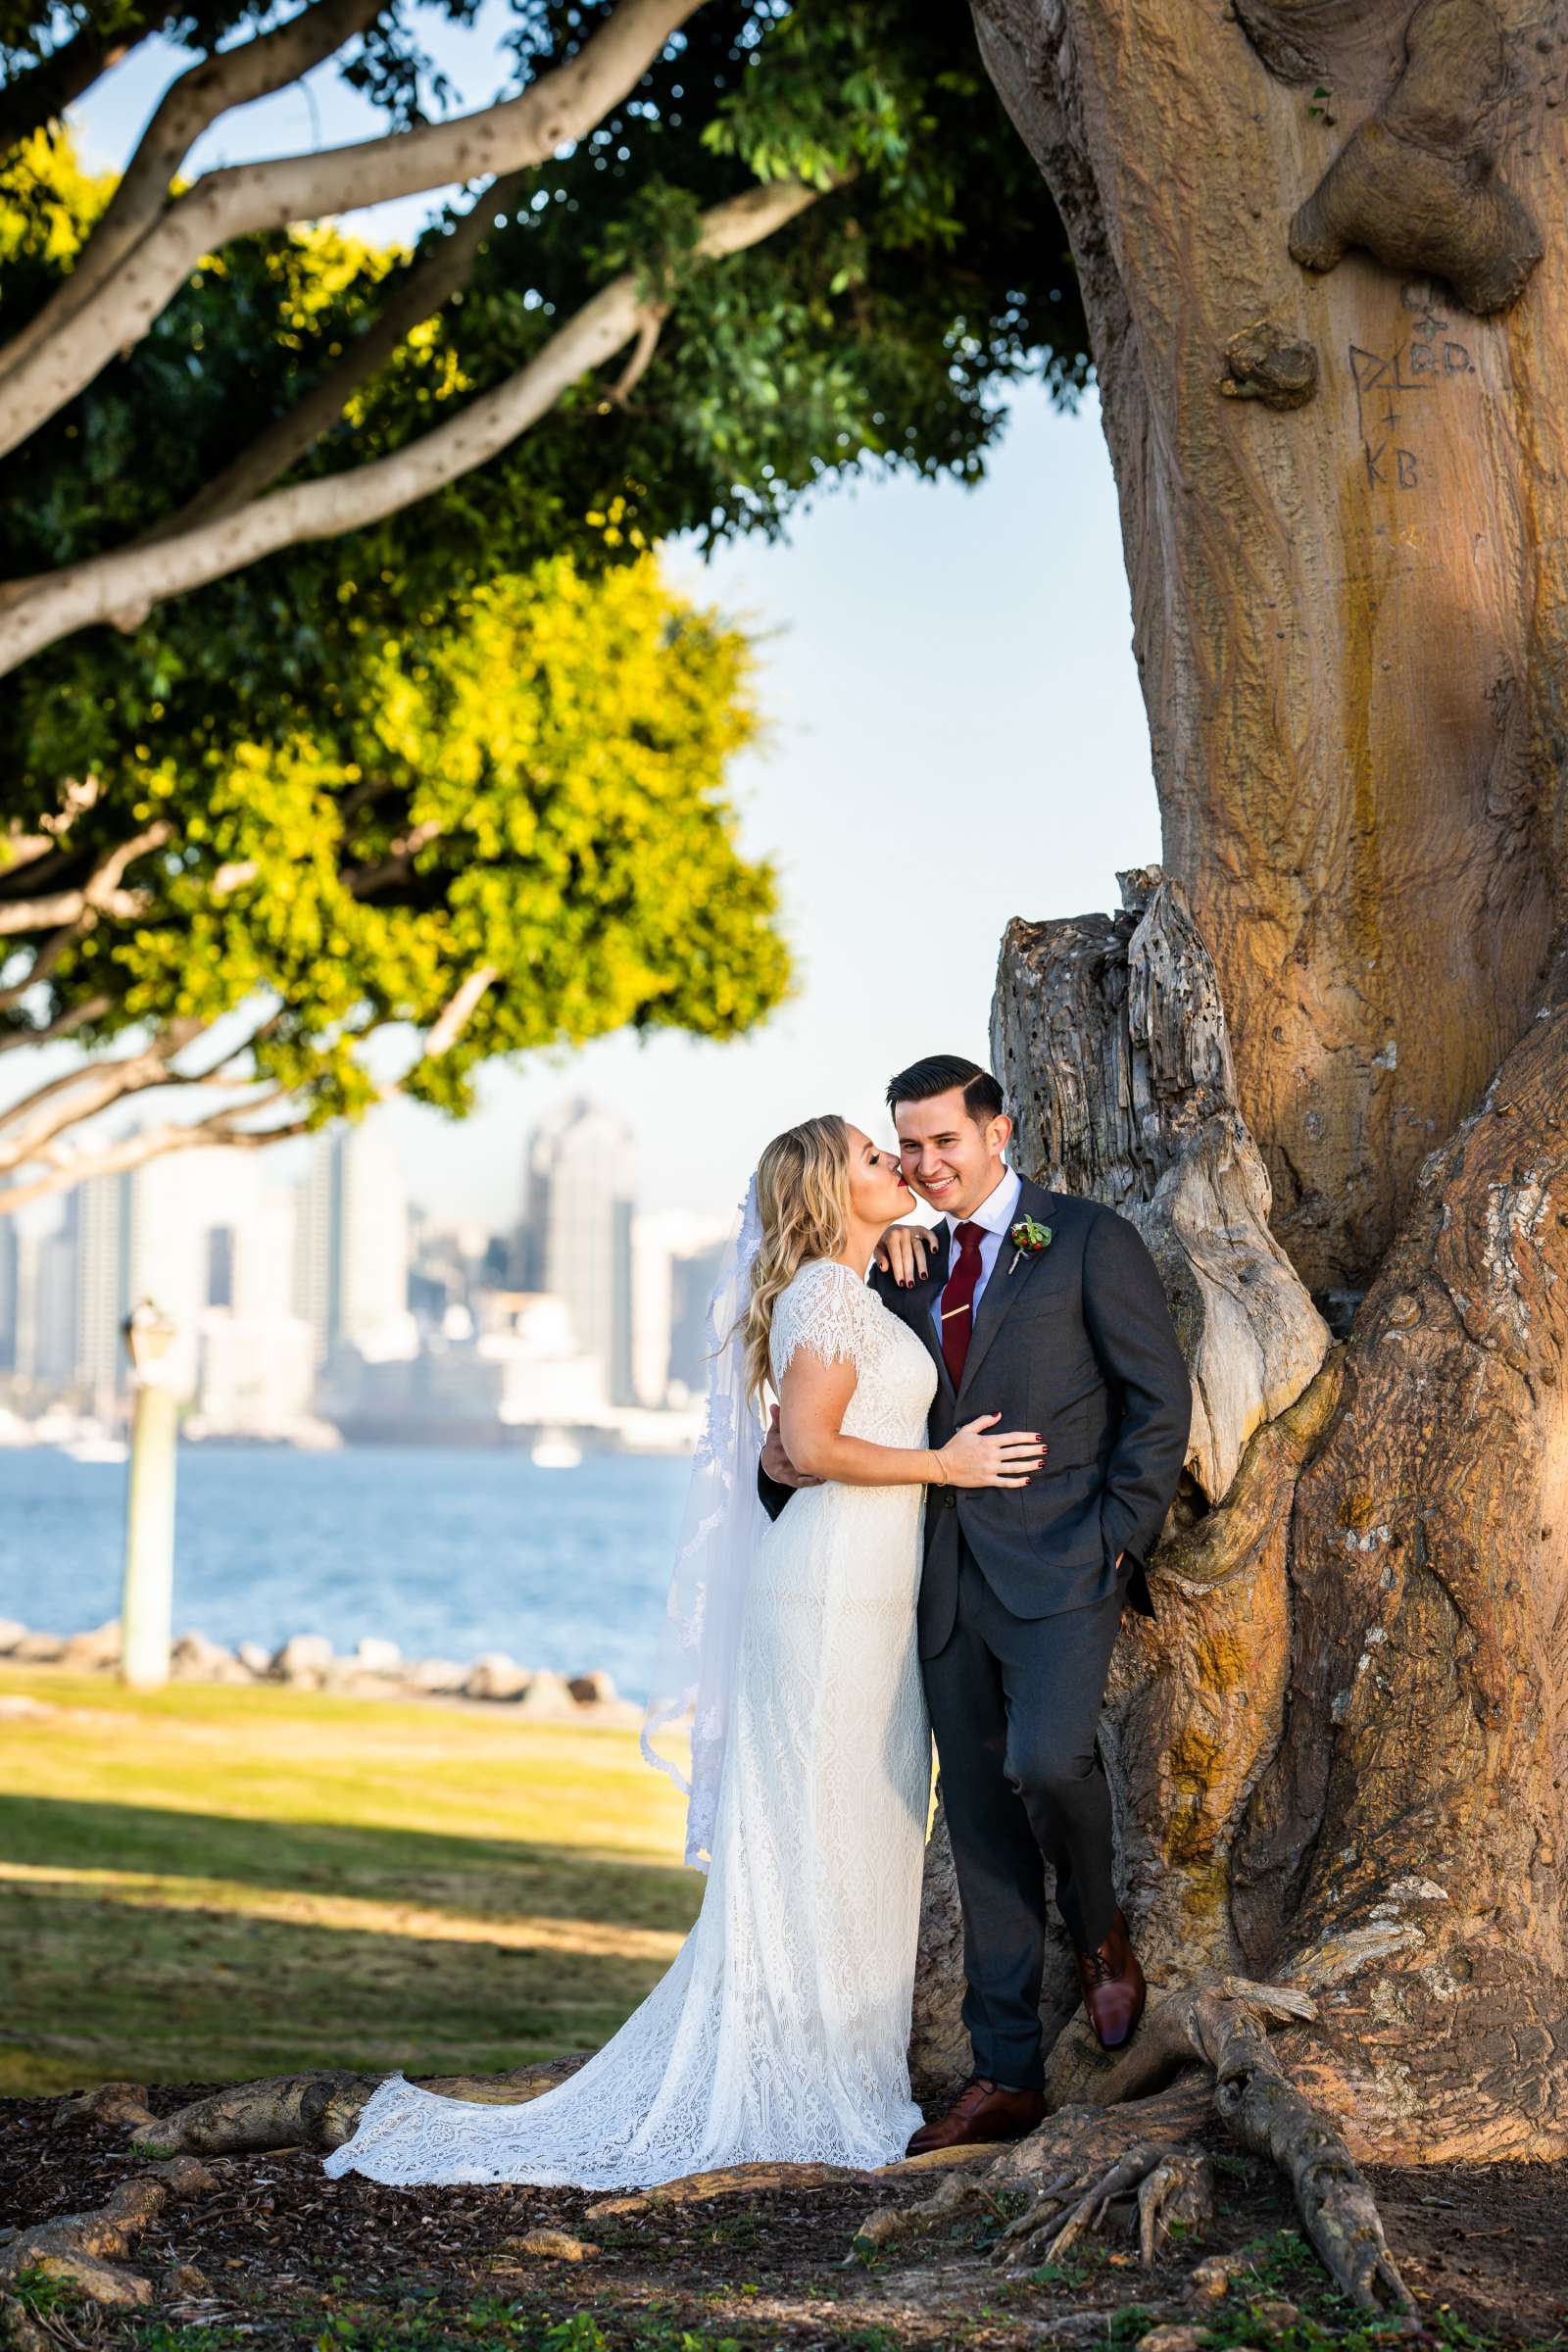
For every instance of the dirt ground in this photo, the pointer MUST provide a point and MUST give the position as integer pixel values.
(278, 2253)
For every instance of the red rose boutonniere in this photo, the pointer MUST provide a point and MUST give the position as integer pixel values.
(1028, 1240)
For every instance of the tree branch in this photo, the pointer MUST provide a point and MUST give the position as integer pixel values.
(58, 604)
(209, 88)
(64, 1024)
(49, 843)
(424, 292)
(452, 1021)
(43, 963)
(57, 1169)
(100, 894)
(120, 297)
(641, 358)
(218, 1130)
(104, 1083)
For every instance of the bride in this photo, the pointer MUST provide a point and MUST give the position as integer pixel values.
(781, 2030)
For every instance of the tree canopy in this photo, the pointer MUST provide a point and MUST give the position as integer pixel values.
(263, 483)
(812, 232)
(516, 837)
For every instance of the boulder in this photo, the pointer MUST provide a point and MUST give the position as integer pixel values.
(547, 1694)
(196, 1659)
(94, 1649)
(304, 1658)
(374, 1656)
(434, 1675)
(255, 1657)
(38, 1649)
(592, 1689)
(365, 1686)
(496, 1676)
(11, 1633)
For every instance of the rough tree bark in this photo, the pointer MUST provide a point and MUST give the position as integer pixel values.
(1340, 1752)
(1330, 354)
(1321, 251)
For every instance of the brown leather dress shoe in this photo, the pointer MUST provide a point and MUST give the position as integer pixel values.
(982, 2111)
(1113, 1987)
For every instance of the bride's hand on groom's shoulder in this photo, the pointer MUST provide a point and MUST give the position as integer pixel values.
(904, 1251)
(776, 1463)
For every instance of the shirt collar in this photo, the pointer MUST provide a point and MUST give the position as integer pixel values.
(995, 1213)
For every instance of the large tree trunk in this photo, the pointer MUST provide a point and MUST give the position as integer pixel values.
(1339, 1754)
(1321, 250)
(1345, 502)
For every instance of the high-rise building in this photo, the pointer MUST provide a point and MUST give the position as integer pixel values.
(351, 1264)
(170, 1204)
(10, 1292)
(47, 1350)
(577, 1231)
(194, 1234)
(692, 1279)
(103, 1294)
(664, 1244)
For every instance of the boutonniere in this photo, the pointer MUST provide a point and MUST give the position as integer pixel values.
(1028, 1240)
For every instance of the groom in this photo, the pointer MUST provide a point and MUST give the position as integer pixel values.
(1044, 1308)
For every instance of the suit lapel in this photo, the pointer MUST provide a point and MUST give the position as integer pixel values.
(1005, 1282)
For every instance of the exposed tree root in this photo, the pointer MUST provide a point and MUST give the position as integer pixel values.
(1167, 2183)
(1257, 2102)
(1110, 2146)
(316, 2111)
(735, 2179)
(1057, 2165)
(84, 2249)
(1093, 2156)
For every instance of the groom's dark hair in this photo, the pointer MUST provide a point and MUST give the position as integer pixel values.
(939, 1074)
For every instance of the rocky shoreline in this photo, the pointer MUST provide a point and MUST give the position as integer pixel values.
(374, 1668)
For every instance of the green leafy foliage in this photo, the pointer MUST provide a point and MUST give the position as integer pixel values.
(541, 794)
(879, 332)
(497, 670)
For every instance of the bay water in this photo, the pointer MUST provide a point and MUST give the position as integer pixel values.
(447, 1550)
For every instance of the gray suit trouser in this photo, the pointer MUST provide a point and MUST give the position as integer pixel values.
(1014, 1705)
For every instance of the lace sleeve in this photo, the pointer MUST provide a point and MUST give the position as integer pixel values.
(824, 1309)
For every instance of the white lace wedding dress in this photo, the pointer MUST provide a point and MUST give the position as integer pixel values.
(781, 2028)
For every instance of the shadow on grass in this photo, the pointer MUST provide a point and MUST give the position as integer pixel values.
(526, 1949)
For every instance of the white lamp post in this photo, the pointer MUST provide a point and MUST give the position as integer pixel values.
(146, 1617)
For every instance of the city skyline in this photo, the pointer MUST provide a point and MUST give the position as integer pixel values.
(319, 1297)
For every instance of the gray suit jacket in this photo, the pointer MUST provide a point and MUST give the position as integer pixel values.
(1077, 1342)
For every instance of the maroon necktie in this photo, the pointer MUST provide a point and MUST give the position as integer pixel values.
(958, 1300)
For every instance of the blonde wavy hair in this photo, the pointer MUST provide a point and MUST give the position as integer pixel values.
(803, 1196)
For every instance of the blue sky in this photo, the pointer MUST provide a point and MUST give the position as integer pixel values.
(955, 735)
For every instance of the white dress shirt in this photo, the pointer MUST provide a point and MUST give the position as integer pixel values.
(996, 1212)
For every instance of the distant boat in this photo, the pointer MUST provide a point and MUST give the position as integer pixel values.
(99, 1449)
(553, 1450)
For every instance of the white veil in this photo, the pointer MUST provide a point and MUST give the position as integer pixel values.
(695, 1664)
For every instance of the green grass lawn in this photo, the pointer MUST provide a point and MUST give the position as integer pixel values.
(203, 1883)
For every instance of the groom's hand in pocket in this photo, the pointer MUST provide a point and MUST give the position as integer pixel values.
(776, 1463)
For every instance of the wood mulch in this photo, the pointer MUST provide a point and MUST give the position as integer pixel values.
(276, 2253)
